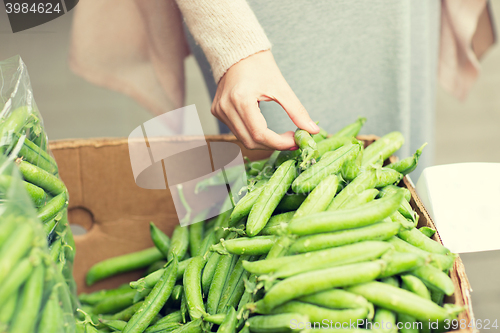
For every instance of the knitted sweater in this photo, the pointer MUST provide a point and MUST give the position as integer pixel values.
(138, 47)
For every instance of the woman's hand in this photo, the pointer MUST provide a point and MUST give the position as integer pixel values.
(236, 103)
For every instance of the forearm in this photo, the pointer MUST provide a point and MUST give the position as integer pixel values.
(226, 30)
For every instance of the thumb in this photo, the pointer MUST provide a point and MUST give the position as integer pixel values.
(296, 111)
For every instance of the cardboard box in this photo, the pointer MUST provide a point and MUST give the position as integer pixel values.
(105, 200)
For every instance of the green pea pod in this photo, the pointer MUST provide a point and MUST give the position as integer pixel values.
(319, 199)
(194, 326)
(338, 256)
(338, 299)
(115, 325)
(36, 194)
(378, 231)
(270, 197)
(388, 176)
(405, 208)
(29, 303)
(149, 281)
(7, 311)
(351, 129)
(277, 224)
(179, 243)
(352, 168)
(255, 167)
(232, 283)
(440, 261)
(400, 262)
(53, 207)
(15, 248)
(334, 143)
(435, 279)
(319, 280)
(13, 123)
(161, 328)
(429, 232)
(41, 178)
(290, 202)
(318, 314)
(115, 304)
(307, 145)
(50, 226)
(122, 264)
(160, 239)
(172, 318)
(229, 323)
(280, 247)
(294, 154)
(177, 294)
(192, 287)
(52, 318)
(7, 227)
(196, 231)
(217, 284)
(382, 148)
(126, 314)
(385, 321)
(97, 296)
(154, 302)
(401, 220)
(246, 203)
(418, 239)
(402, 301)
(366, 180)
(367, 214)
(36, 156)
(215, 319)
(209, 271)
(408, 164)
(364, 197)
(155, 266)
(415, 285)
(207, 241)
(408, 323)
(330, 163)
(246, 245)
(20, 273)
(279, 323)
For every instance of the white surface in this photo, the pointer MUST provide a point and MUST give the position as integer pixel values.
(464, 200)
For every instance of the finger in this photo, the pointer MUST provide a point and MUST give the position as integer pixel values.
(295, 110)
(232, 119)
(257, 127)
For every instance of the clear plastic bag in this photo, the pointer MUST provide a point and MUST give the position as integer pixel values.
(34, 294)
(23, 142)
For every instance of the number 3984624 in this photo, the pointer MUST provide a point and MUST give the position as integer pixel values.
(38, 8)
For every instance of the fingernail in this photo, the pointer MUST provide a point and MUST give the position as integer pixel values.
(313, 126)
(293, 148)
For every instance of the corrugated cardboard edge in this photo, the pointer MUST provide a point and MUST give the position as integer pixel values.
(458, 275)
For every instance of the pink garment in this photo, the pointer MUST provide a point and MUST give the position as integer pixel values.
(138, 47)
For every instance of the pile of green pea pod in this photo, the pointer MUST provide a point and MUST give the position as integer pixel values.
(34, 296)
(323, 239)
(24, 141)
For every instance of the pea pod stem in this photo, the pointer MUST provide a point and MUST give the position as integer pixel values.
(307, 145)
